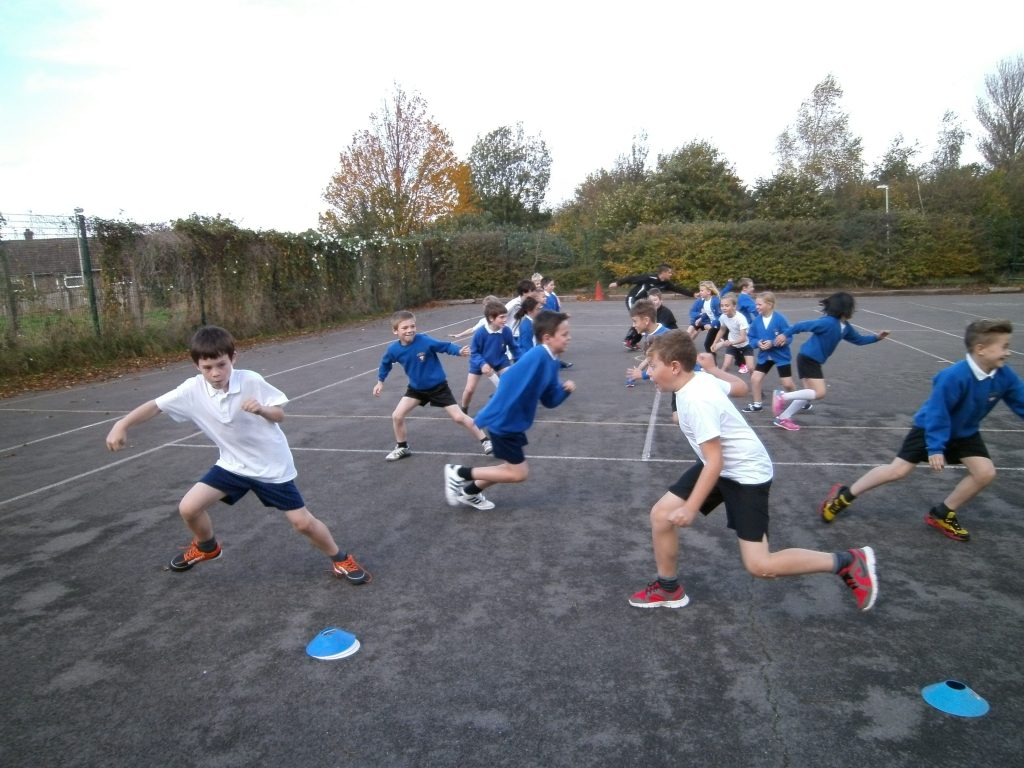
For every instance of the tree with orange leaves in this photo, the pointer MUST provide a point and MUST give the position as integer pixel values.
(397, 176)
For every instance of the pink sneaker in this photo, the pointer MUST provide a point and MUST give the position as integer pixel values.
(743, 368)
(778, 404)
(787, 424)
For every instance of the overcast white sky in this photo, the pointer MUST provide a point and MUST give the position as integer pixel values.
(151, 111)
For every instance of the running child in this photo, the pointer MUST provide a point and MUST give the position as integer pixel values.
(746, 302)
(735, 328)
(766, 335)
(240, 412)
(466, 332)
(511, 411)
(733, 468)
(665, 315)
(826, 333)
(551, 301)
(707, 317)
(946, 428)
(528, 310)
(417, 354)
(645, 322)
(642, 284)
(489, 351)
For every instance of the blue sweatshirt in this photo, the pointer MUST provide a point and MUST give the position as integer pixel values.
(747, 306)
(533, 379)
(489, 347)
(757, 332)
(419, 359)
(551, 302)
(526, 340)
(827, 332)
(959, 401)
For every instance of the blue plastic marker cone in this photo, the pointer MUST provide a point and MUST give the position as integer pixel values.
(332, 643)
(955, 698)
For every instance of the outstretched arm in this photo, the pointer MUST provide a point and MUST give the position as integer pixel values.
(117, 438)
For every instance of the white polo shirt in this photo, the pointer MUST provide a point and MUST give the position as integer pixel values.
(706, 412)
(249, 445)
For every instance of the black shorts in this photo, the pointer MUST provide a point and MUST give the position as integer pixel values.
(785, 369)
(741, 353)
(915, 450)
(746, 506)
(808, 368)
(509, 447)
(440, 396)
(284, 496)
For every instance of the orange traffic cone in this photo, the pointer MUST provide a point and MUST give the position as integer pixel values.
(598, 293)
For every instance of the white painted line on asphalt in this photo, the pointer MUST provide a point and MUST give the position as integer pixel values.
(650, 426)
(105, 467)
(59, 434)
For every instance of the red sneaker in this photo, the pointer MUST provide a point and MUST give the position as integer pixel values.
(860, 577)
(653, 596)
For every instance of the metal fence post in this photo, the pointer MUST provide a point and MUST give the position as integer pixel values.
(83, 244)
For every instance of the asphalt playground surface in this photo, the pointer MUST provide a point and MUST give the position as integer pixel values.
(505, 638)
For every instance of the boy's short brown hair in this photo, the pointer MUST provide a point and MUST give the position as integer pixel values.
(493, 309)
(210, 342)
(399, 316)
(546, 323)
(728, 297)
(674, 346)
(644, 308)
(745, 282)
(983, 331)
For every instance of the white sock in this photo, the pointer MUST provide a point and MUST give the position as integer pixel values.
(796, 401)
(799, 394)
(794, 406)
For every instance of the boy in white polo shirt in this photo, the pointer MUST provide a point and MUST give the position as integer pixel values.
(239, 411)
(732, 467)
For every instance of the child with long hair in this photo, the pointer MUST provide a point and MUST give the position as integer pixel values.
(826, 333)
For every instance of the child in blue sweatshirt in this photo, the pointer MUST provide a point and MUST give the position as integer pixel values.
(826, 333)
(510, 413)
(417, 354)
(490, 349)
(946, 428)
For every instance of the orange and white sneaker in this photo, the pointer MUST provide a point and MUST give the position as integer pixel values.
(351, 570)
(192, 555)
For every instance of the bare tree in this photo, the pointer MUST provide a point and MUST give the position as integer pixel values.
(820, 145)
(1001, 114)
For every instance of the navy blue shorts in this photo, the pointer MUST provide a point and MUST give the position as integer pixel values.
(808, 368)
(509, 447)
(283, 496)
(915, 450)
(746, 506)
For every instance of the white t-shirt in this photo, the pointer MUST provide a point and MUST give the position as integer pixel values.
(735, 325)
(705, 412)
(249, 445)
(512, 307)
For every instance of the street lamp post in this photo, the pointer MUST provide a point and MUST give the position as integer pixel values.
(886, 188)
